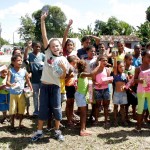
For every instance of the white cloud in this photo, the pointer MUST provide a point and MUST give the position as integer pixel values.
(13, 13)
(81, 19)
(133, 12)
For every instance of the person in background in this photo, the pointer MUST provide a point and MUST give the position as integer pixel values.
(4, 95)
(121, 51)
(67, 44)
(91, 64)
(137, 59)
(143, 89)
(131, 91)
(148, 46)
(96, 42)
(70, 90)
(36, 62)
(81, 53)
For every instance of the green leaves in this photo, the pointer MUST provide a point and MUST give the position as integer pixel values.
(113, 27)
(31, 26)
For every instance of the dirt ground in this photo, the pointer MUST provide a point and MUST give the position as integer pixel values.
(116, 138)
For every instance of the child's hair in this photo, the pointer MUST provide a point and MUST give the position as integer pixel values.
(71, 58)
(127, 56)
(118, 63)
(34, 43)
(85, 38)
(89, 47)
(145, 52)
(69, 41)
(81, 65)
(50, 42)
(147, 45)
(136, 46)
(15, 49)
(102, 43)
(121, 41)
(13, 58)
(100, 57)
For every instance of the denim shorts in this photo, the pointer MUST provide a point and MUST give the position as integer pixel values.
(80, 99)
(50, 102)
(120, 98)
(102, 94)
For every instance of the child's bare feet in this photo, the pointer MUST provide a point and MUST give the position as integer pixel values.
(85, 133)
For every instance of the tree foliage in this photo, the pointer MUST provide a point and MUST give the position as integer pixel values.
(3, 42)
(148, 14)
(144, 32)
(27, 29)
(55, 24)
(113, 27)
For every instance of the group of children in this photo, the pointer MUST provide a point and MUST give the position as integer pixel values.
(91, 75)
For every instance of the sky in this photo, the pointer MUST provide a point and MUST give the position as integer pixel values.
(83, 12)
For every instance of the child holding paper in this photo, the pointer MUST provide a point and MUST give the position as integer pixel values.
(101, 88)
(142, 78)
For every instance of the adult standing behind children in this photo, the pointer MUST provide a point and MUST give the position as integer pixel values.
(50, 97)
(36, 62)
(81, 53)
(137, 59)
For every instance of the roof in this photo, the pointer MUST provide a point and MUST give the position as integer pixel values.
(126, 38)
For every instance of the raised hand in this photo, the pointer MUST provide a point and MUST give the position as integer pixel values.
(70, 22)
(43, 16)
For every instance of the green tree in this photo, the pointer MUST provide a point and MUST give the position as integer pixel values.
(144, 32)
(87, 31)
(55, 23)
(148, 14)
(113, 26)
(125, 28)
(3, 42)
(31, 27)
(27, 29)
(100, 27)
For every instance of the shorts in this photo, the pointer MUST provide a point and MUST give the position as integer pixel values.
(63, 97)
(70, 91)
(50, 102)
(80, 99)
(120, 98)
(102, 94)
(132, 100)
(17, 104)
(4, 102)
